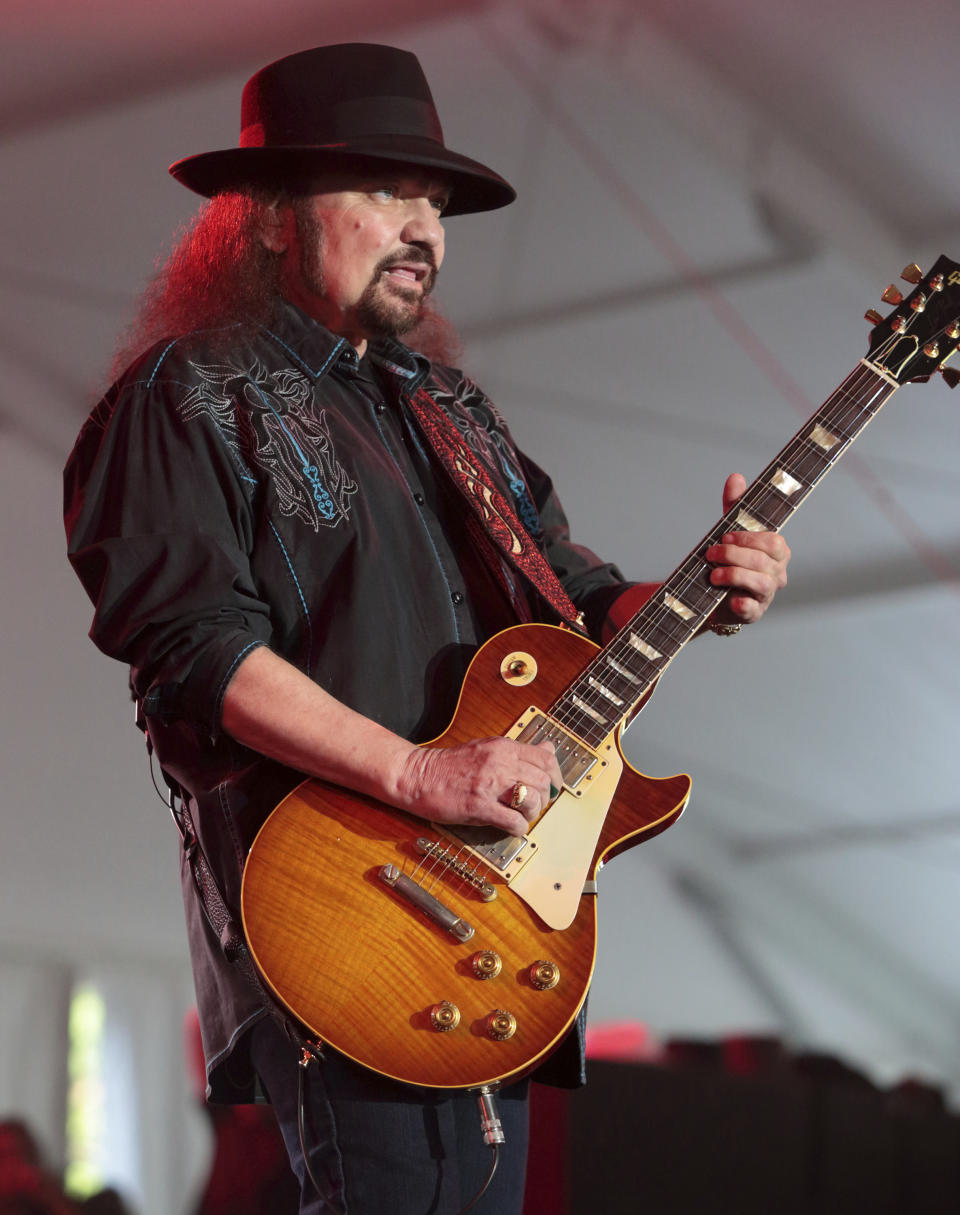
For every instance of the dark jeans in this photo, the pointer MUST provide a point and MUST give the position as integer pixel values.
(387, 1147)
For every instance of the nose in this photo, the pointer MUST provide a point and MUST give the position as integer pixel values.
(422, 226)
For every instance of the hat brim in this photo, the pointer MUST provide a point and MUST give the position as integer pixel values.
(474, 186)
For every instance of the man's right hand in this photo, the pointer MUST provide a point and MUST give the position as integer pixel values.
(275, 709)
(474, 782)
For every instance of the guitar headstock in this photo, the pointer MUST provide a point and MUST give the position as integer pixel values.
(923, 331)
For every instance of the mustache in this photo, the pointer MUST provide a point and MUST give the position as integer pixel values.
(411, 255)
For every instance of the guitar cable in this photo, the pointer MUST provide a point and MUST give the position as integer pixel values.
(490, 1127)
(309, 1052)
(493, 1136)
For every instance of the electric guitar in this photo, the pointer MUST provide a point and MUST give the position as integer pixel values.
(458, 957)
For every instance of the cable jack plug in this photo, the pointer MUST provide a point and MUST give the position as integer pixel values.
(489, 1118)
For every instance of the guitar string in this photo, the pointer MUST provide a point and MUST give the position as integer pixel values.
(863, 392)
(444, 863)
(760, 494)
(694, 566)
(764, 500)
(834, 411)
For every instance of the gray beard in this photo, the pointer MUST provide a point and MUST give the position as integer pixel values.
(390, 315)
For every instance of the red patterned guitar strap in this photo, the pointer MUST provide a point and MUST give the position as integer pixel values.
(496, 517)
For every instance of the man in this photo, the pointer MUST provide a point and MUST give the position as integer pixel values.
(290, 524)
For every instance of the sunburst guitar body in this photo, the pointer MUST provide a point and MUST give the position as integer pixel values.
(459, 958)
(434, 958)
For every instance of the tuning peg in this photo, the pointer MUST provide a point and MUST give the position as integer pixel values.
(936, 283)
(892, 295)
(932, 350)
(912, 273)
(873, 316)
(919, 302)
(953, 329)
(951, 375)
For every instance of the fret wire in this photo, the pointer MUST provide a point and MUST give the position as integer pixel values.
(847, 411)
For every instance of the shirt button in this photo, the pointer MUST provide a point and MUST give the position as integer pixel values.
(419, 499)
(457, 597)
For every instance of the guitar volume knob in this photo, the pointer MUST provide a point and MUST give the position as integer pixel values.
(444, 1016)
(544, 975)
(500, 1025)
(486, 964)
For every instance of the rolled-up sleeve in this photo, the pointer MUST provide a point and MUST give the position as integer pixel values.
(159, 531)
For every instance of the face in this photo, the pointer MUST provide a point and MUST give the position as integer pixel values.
(364, 253)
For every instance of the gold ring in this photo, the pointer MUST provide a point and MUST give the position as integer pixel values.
(519, 795)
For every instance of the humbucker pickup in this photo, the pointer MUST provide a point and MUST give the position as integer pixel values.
(575, 761)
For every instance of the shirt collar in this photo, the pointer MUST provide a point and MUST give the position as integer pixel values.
(319, 351)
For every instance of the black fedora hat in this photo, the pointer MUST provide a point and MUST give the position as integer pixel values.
(337, 106)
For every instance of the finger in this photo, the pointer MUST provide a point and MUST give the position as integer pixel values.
(504, 819)
(758, 584)
(534, 790)
(533, 805)
(733, 490)
(770, 543)
(549, 751)
(737, 556)
(745, 608)
(542, 757)
(731, 557)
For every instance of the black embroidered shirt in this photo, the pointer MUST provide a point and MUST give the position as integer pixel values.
(257, 486)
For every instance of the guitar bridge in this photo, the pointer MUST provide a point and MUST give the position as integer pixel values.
(450, 861)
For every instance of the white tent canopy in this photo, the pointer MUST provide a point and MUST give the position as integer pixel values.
(710, 196)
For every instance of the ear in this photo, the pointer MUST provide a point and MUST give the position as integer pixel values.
(277, 227)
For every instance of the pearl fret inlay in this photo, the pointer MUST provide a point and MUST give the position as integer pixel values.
(748, 523)
(675, 605)
(622, 670)
(644, 648)
(604, 691)
(589, 710)
(784, 482)
(823, 438)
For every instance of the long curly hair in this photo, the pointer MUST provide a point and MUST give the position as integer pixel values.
(221, 273)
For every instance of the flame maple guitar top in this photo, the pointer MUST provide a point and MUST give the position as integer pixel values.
(362, 967)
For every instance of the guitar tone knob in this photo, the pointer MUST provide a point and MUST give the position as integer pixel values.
(444, 1016)
(500, 1025)
(544, 975)
(486, 964)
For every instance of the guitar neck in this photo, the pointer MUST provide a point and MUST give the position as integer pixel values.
(609, 689)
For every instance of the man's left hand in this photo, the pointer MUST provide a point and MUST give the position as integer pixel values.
(752, 564)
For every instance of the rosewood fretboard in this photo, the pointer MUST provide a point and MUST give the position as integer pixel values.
(607, 691)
